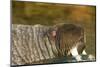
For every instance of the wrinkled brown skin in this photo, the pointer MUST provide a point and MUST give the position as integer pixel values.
(67, 37)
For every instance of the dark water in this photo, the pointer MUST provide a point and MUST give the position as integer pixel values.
(66, 60)
(59, 60)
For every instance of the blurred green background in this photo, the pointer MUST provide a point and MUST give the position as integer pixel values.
(52, 13)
